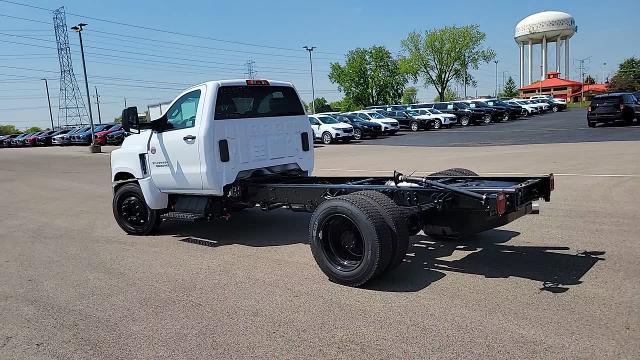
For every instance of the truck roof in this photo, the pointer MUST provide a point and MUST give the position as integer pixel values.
(240, 82)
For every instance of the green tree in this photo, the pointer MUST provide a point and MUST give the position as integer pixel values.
(510, 89)
(321, 105)
(449, 95)
(343, 105)
(441, 56)
(410, 95)
(627, 78)
(33, 129)
(369, 77)
(589, 80)
(8, 130)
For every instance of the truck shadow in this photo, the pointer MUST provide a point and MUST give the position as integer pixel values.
(552, 268)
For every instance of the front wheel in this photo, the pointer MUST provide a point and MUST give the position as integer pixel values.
(437, 124)
(554, 109)
(591, 124)
(357, 134)
(486, 119)
(464, 121)
(414, 126)
(505, 117)
(131, 211)
(326, 138)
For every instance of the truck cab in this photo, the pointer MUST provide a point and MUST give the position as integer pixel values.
(214, 134)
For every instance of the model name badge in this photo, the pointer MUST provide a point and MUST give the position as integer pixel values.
(160, 164)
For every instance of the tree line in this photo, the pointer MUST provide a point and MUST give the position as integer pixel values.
(11, 129)
(438, 58)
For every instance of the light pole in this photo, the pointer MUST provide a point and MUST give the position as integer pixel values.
(94, 148)
(46, 85)
(503, 82)
(603, 66)
(98, 104)
(313, 91)
(496, 61)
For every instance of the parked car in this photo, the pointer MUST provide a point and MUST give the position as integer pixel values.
(540, 107)
(530, 109)
(361, 128)
(5, 140)
(515, 110)
(65, 139)
(497, 113)
(545, 105)
(465, 114)
(437, 118)
(328, 129)
(33, 138)
(45, 138)
(19, 140)
(117, 137)
(415, 122)
(608, 108)
(389, 126)
(84, 137)
(101, 136)
(555, 105)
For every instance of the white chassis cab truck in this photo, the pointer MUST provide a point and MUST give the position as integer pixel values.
(223, 146)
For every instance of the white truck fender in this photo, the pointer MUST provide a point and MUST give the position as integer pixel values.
(152, 196)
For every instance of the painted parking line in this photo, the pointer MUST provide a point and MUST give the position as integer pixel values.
(486, 173)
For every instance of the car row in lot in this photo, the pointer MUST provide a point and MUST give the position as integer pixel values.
(104, 134)
(374, 121)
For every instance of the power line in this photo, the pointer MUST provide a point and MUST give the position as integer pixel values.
(165, 31)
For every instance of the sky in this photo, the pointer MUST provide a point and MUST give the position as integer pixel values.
(212, 40)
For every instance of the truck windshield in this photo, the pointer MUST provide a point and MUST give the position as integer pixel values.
(243, 102)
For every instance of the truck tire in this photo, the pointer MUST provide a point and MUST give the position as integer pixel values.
(396, 219)
(414, 126)
(464, 121)
(455, 172)
(350, 240)
(326, 138)
(131, 211)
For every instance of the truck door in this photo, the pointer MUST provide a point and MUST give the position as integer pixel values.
(173, 153)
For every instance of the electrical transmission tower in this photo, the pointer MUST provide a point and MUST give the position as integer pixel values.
(251, 72)
(71, 108)
(582, 69)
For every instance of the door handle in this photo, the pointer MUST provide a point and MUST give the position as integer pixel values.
(189, 138)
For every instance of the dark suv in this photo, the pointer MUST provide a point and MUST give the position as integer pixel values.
(465, 114)
(498, 113)
(515, 110)
(407, 121)
(613, 107)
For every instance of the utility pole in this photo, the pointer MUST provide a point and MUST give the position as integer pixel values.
(250, 73)
(313, 91)
(582, 72)
(125, 103)
(604, 64)
(46, 85)
(98, 104)
(94, 148)
(496, 61)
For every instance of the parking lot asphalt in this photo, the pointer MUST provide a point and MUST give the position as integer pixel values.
(552, 128)
(561, 284)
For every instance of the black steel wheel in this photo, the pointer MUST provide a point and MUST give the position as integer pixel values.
(357, 134)
(327, 138)
(131, 211)
(350, 240)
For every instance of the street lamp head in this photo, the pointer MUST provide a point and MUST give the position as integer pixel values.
(78, 27)
(309, 48)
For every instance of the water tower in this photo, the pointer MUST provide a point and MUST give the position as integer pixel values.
(543, 28)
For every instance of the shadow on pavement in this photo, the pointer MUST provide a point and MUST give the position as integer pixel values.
(486, 254)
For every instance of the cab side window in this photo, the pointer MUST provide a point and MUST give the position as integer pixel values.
(182, 113)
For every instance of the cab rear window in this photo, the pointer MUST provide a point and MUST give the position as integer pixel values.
(243, 102)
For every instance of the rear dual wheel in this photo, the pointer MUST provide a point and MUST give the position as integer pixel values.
(357, 237)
